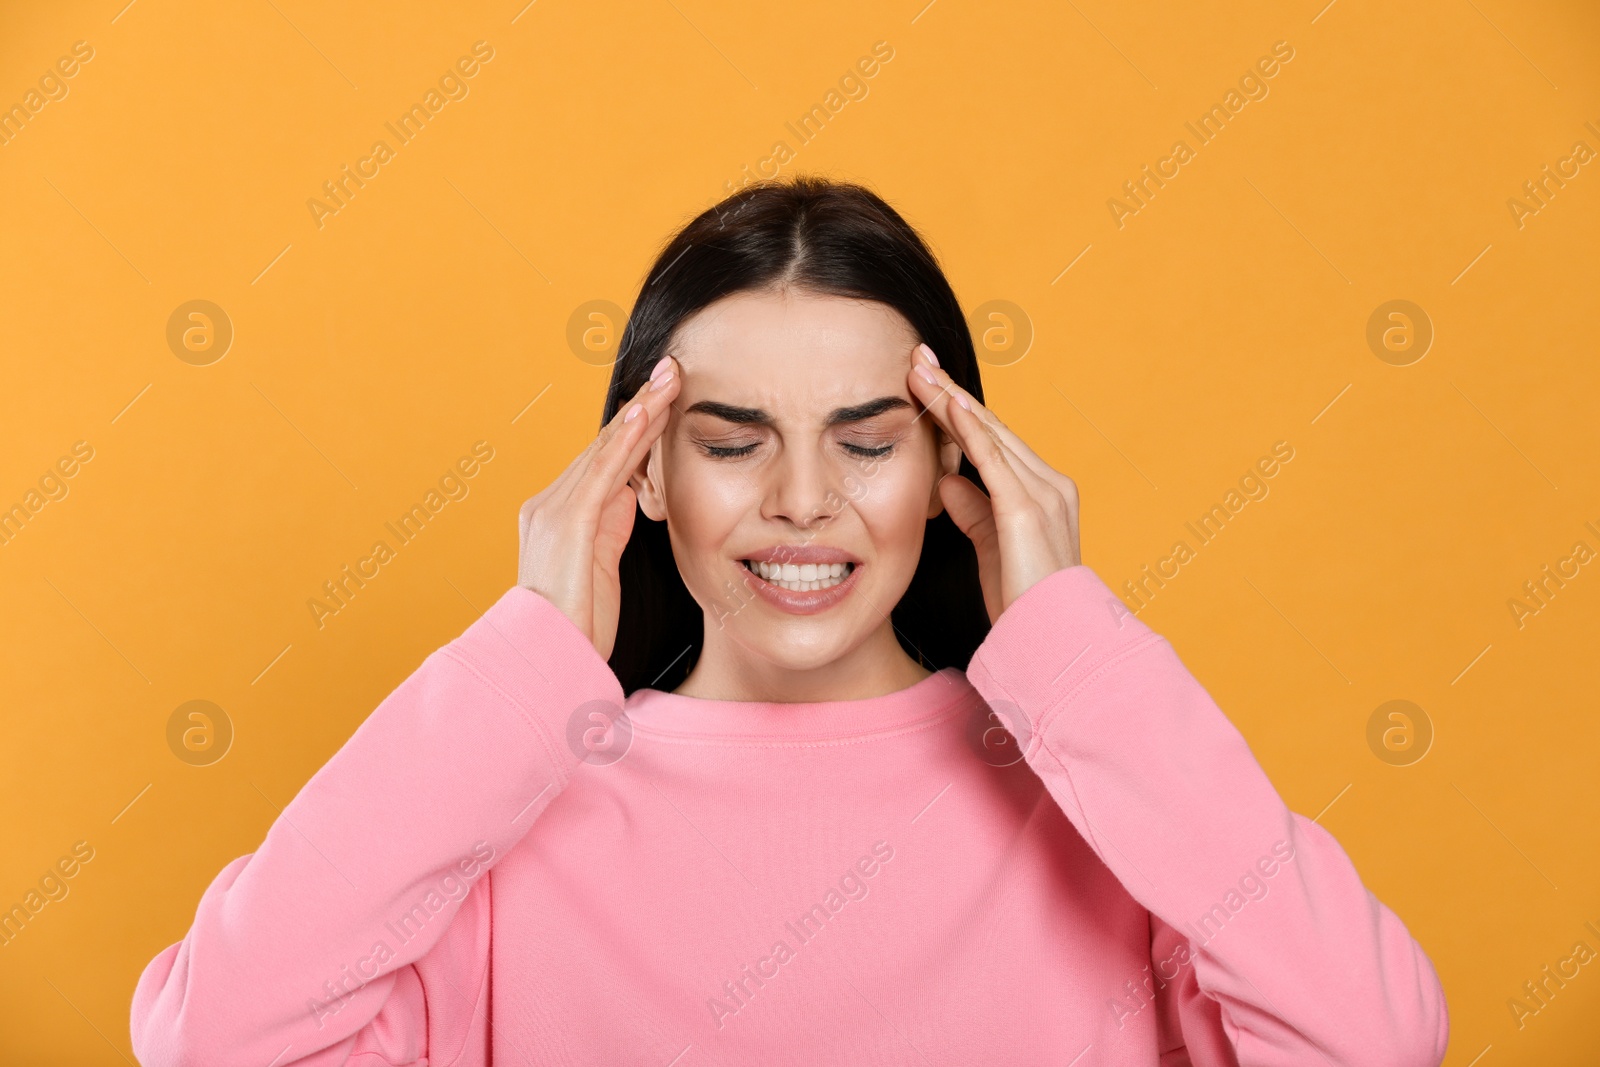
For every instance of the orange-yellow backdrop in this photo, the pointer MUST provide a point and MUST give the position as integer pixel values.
(1176, 339)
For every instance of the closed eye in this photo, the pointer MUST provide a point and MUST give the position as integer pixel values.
(735, 452)
(869, 453)
(723, 451)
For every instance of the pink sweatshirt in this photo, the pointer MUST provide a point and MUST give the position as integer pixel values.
(856, 881)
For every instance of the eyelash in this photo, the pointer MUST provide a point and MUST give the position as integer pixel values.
(724, 452)
(720, 452)
(870, 453)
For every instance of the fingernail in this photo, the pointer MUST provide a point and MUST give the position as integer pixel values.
(926, 351)
(633, 412)
(661, 364)
(661, 382)
(963, 401)
(927, 375)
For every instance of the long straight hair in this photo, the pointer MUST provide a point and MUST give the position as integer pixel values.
(831, 238)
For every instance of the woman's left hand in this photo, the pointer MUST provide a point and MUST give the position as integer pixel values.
(1028, 528)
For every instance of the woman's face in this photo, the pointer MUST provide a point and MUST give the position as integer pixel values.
(795, 440)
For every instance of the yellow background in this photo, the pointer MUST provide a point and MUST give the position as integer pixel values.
(1228, 314)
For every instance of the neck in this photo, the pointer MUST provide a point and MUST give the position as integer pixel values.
(727, 671)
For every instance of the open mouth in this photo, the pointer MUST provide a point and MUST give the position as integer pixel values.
(800, 577)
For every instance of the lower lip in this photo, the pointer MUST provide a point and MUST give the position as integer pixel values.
(800, 601)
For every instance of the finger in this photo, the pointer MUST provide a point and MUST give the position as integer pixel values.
(927, 385)
(578, 469)
(982, 445)
(1006, 476)
(619, 423)
(575, 491)
(1016, 444)
(631, 436)
(1040, 480)
(1054, 499)
(943, 397)
(1031, 459)
(967, 505)
(973, 515)
(617, 517)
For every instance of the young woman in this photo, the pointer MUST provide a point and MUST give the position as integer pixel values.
(836, 753)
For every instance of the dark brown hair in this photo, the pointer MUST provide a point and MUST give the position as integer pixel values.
(821, 236)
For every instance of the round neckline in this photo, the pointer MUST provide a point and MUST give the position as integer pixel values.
(659, 713)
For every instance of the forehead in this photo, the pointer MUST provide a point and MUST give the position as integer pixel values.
(792, 346)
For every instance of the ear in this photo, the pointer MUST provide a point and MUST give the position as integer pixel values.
(646, 484)
(949, 463)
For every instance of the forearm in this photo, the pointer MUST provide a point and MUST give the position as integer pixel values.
(301, 943)
(1306, 964)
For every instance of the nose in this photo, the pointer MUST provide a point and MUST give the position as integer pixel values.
(803, 487)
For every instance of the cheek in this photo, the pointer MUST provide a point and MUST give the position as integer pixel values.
(893, 505)
(704, 507)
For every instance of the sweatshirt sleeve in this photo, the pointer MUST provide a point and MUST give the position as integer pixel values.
(1266, 948)
(358, 932)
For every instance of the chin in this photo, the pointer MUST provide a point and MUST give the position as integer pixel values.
(798, 648)
(794, 642)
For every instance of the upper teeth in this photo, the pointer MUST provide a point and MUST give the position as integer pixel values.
(801, 575)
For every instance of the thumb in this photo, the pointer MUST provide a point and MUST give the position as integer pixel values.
(616, 525)
(969, 508)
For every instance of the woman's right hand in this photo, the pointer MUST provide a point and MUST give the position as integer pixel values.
(573, 531)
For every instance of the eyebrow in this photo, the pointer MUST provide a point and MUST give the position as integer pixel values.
(758, 416)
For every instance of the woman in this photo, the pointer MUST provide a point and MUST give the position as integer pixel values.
(838, 753)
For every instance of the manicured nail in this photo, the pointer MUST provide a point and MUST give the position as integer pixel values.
(661, 365)
(633, 412)
(927, 375)
(661, 382)
(928, 352)
(963, 401)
